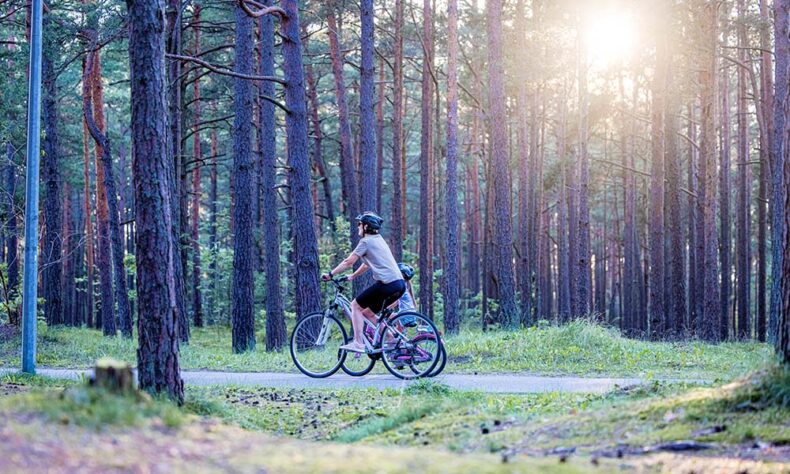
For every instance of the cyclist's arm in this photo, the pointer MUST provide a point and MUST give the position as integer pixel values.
(345, 264)
(362, 269)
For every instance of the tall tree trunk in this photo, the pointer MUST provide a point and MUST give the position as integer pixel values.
(474, 219)
(781, 75)
(676, 274)
(398, 173)
(275, 319)
(113, 216)
(426, 163)
(367, 114)
(563, 249)
(308, 294)
(725, 233)
(242, 299)
(658, 321)
(212, 232)
(12, 242)
(503, 243)
(694, 237)
(177, 176)
(157, 326)
(451, 306)
(583, 275)
(380, 134)
(52, 266)
(766, 141)
(68, 278)
(92, 92)
(348, 171)
(779, 322)
(711, 306)
(197, 296)
(523, 263)
(318, 157)
(743, 204)
(88, 226)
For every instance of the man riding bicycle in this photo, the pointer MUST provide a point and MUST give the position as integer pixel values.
(377, 257)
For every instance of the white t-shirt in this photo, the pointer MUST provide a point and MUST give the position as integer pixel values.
(374, 251)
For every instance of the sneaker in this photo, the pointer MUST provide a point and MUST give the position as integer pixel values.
(409, 321)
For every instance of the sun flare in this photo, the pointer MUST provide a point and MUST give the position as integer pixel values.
(609, 36)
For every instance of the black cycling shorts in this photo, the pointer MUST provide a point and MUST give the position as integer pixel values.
(378, 294)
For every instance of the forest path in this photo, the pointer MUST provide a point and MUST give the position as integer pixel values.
(493, 383)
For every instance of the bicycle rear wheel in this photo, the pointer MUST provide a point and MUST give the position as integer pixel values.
(413, 346)
(442, 363)
(315, 345)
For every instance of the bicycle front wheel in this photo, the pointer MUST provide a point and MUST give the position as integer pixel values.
(412, 346)
(315, 345)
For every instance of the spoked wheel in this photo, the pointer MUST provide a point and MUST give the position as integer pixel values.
(412, 346)
(442, 362)
(357, 364)
(315, 345)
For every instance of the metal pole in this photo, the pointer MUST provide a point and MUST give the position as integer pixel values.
(29, 293)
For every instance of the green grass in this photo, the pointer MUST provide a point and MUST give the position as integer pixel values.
(578, 348)
(93, 407)
(429, 414)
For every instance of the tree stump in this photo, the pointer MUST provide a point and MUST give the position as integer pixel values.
(114, 376)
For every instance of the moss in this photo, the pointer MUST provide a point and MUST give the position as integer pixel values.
(95, 407)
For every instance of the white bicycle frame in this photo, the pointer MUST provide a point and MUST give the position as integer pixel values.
(344, 304)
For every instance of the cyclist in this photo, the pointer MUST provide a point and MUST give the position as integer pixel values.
(388, 286)
(406, 302)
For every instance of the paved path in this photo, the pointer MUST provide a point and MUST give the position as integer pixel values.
(501, 383)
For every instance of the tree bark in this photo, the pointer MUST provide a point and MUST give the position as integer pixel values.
(113, 216)
(177, 176)
(658, 321)
(318, 134)
(503, 256)
(782, 75)
(197, 294)
(452, 320)
(766, 141)
(711, 305)
(12, 240)
(157, 323)
(92, 92)
(348, 171)
(398, 173)
(308, 295)
(676, 273)
(51, 262)
(275, 319)
(743, 204)
(583, 276)
(725, 233)
(367, 114)
(243, 295)
(88, 227)
(426, 164)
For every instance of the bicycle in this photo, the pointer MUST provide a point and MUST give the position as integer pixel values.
(317, 337)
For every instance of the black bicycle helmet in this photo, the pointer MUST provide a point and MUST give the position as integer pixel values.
(372, 220)
(406, 270)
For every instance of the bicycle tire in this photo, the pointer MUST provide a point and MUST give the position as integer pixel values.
(442, 362)
(397, 370)
(358, 373)
(341, 355)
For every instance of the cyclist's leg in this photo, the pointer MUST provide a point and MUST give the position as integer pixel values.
(358, 322)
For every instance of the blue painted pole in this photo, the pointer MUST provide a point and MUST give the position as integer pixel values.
(29, 291)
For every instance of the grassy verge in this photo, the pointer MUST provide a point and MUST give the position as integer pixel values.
(578, 348)
(746, 419)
